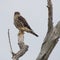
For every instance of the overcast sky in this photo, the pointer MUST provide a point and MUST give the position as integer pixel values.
(35, 12)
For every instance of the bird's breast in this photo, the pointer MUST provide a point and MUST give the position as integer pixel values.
(17, 24)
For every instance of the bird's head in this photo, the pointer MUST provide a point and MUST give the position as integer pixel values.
(16, 13)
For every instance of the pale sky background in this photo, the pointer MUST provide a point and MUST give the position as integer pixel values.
(35, 12)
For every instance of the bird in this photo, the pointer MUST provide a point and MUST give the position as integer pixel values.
(21, 24)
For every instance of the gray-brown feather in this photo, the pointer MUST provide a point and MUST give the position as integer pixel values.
(21, 19)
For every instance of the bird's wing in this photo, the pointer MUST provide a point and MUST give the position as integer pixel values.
(24, 22)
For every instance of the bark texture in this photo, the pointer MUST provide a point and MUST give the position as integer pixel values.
(52, 35)
(22, 46)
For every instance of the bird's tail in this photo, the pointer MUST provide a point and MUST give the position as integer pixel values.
(34, 33)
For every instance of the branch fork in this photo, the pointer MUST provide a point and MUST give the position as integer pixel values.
(22, 46)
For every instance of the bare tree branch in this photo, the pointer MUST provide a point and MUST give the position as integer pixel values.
(52, 36)
(50, 15)
(49, 43)
(22, 46)
(20, 53)
(10, 42)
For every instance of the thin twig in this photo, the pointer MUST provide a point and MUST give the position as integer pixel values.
(10, 41)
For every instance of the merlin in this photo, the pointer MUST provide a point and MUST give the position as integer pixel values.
(21, 24)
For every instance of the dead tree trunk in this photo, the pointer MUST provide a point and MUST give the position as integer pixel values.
(52, 35)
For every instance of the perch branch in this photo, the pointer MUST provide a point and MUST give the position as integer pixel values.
(49, 43)
(22, 46)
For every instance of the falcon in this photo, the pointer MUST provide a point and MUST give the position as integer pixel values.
(21, 24)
